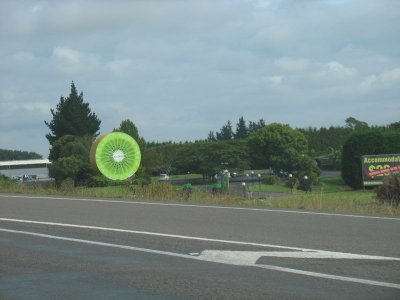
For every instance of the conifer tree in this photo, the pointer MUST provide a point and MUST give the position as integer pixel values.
(211, 136)
(254, 126)
(241, 129)
(72, 116)
(226, 132)
(128, 127)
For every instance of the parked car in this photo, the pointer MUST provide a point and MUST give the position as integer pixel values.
(163, 177)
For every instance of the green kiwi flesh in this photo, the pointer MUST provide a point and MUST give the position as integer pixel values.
(116, 155)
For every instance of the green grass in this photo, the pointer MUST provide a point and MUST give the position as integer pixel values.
(186, 176)
(332, 196)
(331, 185)
(327, 185)
(362, 202)
(277, 188)
(260, 171)
(180, 177)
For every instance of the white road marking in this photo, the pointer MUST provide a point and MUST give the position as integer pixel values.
(152, 233)
(202, 206)
(208, 259)
(327, 253)
(250, 257)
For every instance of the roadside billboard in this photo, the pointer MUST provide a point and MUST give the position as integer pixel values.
(376, 167)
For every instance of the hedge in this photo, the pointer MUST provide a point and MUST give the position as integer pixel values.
(370, 142)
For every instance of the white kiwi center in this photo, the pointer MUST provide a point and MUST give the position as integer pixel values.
(118, 156)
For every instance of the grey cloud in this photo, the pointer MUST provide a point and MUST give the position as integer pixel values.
(181, 68)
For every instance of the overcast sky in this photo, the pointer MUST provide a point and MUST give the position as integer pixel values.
(179, 69)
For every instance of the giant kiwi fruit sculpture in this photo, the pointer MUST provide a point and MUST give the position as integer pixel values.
(116, 155)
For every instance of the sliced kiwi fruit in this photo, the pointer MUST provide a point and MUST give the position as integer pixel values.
(116, 155)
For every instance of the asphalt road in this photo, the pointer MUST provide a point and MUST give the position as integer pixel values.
(68, 248)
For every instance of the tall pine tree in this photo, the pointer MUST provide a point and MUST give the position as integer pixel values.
(254, 126)
(211, 136)
(226, 132)
(241, 129)
(128, 127)
(72, 116)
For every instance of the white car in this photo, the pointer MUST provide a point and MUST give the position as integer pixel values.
(163, 177)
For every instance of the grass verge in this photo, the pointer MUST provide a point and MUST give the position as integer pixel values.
(329, 198)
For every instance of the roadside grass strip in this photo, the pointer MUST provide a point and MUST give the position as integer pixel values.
(205, 206)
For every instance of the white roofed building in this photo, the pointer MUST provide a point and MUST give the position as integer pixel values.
(32, 168)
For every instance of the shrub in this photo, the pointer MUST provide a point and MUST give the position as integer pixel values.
(102, 181)
(306, 183)
(292, 183)
(142, 180)
(370, 142)
(186, 191)
(389, 192)
(67, 185)
(70, 159)
(269, 179)
(159, 190)
(6, 184)
(307, 174)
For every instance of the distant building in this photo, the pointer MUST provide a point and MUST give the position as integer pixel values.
(31, 168)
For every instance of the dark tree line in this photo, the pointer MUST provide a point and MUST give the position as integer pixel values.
(17, 155)
(256, 145)
(242, 130)
(321, 140)
(276, 146)
(201, 157)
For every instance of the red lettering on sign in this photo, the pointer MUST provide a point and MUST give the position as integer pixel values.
(384, 171)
